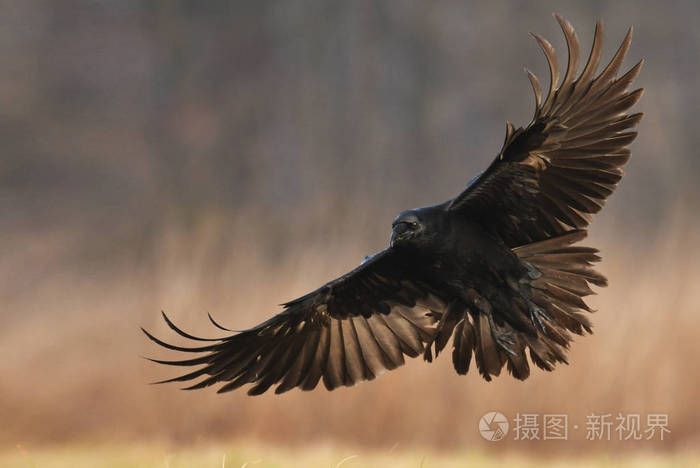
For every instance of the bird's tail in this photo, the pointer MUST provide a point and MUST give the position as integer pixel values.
(559, 278)
(540, 319)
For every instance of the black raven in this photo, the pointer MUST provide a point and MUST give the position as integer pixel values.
(495, 268)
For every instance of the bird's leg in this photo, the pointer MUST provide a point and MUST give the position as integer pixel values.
(503, 339)
(537, 315)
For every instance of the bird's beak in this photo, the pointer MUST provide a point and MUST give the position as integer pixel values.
(396, 237)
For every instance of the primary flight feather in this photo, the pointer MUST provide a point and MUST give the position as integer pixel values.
(496, 269)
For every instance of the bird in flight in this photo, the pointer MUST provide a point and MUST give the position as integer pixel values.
(497, 268)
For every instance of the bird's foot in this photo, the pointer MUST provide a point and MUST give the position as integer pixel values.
(505, 341)
(538, 316)
(532, 272)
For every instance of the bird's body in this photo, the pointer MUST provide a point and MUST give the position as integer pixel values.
(495, 269)
(464, 255)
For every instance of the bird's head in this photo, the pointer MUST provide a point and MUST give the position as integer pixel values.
(407, 229)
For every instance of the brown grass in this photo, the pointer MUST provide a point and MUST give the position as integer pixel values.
(71, 368)
(251, 454)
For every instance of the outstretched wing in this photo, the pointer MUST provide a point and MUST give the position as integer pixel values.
(554, 175)
(349, 330)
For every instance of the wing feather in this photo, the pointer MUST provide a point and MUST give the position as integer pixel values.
(349, 330)
(552, 176)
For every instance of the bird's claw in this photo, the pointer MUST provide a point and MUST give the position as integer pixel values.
(504, 340)
(537, 316)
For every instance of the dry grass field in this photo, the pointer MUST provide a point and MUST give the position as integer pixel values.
(226, 157)
(254, 455)
(79, 375)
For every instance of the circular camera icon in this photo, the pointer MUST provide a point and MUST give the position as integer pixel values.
(493, 426)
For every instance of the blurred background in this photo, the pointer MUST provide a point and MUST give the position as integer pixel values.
(229, 156)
